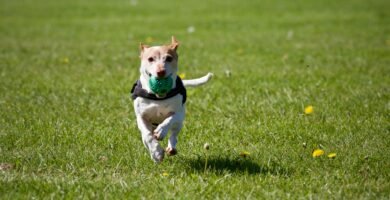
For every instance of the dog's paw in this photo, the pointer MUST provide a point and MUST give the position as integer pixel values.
(171, 151)
(156, 136)
(158, 155)
(160, 133)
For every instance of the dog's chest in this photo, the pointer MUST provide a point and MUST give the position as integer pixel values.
(156, 111)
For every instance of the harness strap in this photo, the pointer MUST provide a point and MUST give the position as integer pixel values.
(138, 91)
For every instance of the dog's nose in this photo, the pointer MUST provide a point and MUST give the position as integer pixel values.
(160, 73)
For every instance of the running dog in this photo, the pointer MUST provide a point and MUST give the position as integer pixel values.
(160, 110)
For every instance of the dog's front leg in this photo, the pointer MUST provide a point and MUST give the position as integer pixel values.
(173, 122)
(155, 150)
(162, 129)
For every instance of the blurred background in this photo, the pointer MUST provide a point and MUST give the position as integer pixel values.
(302, 45)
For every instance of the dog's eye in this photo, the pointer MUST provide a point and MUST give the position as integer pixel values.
(168, 59)
(150, 59)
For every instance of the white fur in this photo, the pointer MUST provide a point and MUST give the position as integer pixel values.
(149, 112)
(169, 113)
(198, 81)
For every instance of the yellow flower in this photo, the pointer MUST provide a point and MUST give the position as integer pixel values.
(65, 60)
(182, 75)
(165, 174)
(332, 155)
(191, 29)
(309, 110)
(318, 152)
(149, 39)
(244, 154)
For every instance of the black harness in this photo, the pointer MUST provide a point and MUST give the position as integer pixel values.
(138, 91)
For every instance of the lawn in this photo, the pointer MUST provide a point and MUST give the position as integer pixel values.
(67, 127)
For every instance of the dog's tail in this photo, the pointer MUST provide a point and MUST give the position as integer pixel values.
(198, 81)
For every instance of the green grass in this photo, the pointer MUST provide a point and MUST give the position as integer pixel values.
(67, 129)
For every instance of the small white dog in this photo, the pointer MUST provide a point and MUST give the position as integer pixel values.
(159, 97)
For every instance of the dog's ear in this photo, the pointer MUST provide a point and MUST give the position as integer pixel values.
(174, 44)
(142, 47)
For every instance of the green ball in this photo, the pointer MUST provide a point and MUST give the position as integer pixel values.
(160, 86)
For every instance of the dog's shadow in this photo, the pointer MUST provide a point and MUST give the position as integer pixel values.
(221, 165)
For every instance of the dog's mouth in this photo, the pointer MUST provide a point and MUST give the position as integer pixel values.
(160, 87)
(150, 75)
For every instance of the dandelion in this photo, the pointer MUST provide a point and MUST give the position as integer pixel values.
(290, 34)
(285, 57)
(149, 39)
(103, 158)
(332, 155)
(228, 73)
(206, 146)
(182, 75)
(165, 174)
(309, 110)
(318, 152)
(244, 154)
(133, 2)
(65, 60)
(191, 29)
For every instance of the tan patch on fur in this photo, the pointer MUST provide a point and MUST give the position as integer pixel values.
(171, 151)
(159, 51)
(160, 67)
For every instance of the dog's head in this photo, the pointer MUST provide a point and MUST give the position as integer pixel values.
(159, 61)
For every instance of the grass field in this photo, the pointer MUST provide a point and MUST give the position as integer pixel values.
(67, 127)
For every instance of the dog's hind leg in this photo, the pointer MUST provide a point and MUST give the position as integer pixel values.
(155, 150)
